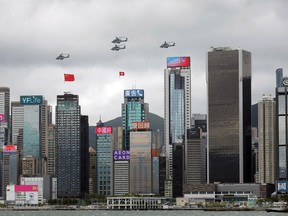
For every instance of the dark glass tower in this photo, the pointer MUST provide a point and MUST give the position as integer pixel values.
(84, 155)
(282, 130)
(68, 146)
(229, 116)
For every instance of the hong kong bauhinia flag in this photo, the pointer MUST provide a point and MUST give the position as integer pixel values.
(69, 77)
(121, 73)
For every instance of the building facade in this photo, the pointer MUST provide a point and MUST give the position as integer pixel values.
(177, 118)
(266, 140)
(104, 160)
(68, 146)
(140, 162)
(282, 130)
(229, 115)
(133, 110)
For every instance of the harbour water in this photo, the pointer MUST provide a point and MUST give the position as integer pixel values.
(137, 213)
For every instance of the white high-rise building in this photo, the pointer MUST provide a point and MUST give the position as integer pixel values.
(177, 118)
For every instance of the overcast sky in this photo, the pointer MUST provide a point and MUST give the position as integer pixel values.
(34, 32)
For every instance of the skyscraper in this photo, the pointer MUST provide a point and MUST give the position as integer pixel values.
(229, 115)
(35, 129)
(17, 121)
(279, 77)
(282, 130)
(267, 140)
(4, 115)
(104, 161)
(177, 118)
(133, 110)
(68, 145)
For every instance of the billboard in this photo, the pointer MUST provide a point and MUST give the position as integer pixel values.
(31, 100)
(26, 188)
(155, 153)
(139, 93)
(120, 155)
(32, 198)
(9, 149)
(103, 130)
(2, 118)
(178, 62)
(282, 186)
(141, 125)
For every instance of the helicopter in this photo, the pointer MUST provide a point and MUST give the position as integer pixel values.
(62, 56)
(117, 47)
(120, 40)
(167, 44)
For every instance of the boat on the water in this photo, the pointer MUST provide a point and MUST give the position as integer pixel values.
(278, 207)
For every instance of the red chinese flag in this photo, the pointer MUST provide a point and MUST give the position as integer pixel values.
(69, 77)
(121, 73)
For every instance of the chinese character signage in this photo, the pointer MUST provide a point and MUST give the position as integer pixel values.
(31, 100)
(141, 125)
(138, 93)
(178, 62)
(26, 188)
(9, 149)
(103, 130)
(120, 155)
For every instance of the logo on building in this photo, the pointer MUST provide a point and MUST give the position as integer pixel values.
(138, 93)
(103, 130)
(9, 149)
(31, 100)
(120, 155)
(141, 125)
(2, 118)
(285, 81)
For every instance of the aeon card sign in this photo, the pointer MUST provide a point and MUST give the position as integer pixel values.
(119, 155)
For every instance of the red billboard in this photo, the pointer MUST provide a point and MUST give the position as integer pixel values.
(141, 125)
(10, 149)
(103, 130)
(178, 62)
(26, 188)
(2, 117)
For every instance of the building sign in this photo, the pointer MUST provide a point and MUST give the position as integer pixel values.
(31, 100)
(141, 125)
(285, 81)
(178, 62)
(103, 130)
(139, 93)
(9, 149)
(2, 118)
(282, 186)
(120, 155)
(26, 188)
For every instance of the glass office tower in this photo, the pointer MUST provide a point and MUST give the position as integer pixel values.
(282, 130)
(177, 119)
(68, 152)
(229, 116)
(133, 110)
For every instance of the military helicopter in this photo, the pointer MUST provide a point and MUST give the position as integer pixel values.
(62, 56)
(167, 44)
(119, 40)
(117, 47)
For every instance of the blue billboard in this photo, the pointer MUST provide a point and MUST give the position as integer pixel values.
(31, 100)
(138, 93)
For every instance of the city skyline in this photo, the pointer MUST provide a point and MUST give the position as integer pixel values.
(36, 33)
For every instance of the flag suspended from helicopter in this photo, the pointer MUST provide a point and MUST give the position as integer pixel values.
(121, 73)
(69, 77)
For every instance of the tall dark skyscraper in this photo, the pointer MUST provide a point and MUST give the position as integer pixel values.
(177, 119)
(282, 130)
(229, 115)
(68, 146)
